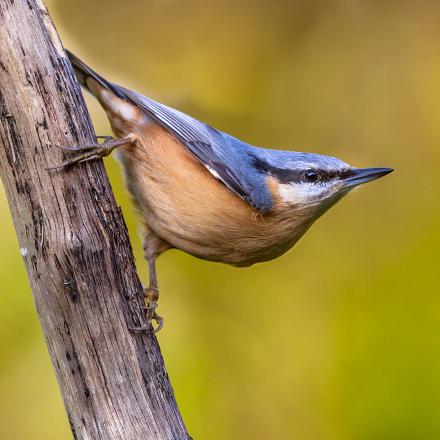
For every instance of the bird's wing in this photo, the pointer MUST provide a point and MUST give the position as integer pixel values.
(227, 158)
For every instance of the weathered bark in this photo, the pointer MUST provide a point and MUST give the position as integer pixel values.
(75, 244)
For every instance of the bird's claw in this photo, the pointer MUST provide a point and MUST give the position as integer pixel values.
(141, 328)
(76, 149)
(91, 152)
(153, 316)
(84, 154)
(151, 295)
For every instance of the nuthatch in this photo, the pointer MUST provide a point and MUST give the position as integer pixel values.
(207, 193)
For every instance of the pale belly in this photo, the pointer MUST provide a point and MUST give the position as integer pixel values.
(183, 204)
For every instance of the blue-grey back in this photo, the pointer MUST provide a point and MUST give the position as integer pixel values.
(240, 166)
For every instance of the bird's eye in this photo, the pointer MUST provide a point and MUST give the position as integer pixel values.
(311, 176)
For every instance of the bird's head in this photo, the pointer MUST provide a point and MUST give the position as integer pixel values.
(312, 183)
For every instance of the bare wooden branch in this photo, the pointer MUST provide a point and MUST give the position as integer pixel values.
(74, 243)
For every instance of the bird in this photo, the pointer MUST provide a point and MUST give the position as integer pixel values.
(205, 192)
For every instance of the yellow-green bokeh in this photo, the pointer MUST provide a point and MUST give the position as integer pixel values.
(339, 339)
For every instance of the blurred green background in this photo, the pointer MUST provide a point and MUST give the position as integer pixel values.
(339, 339)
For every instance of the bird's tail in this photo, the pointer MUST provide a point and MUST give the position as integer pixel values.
(87, 77)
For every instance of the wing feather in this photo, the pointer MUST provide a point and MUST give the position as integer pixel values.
(225, 157)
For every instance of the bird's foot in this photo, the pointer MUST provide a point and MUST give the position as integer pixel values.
(92, 152)
(151, 315)
(151, 295)
(150, 309)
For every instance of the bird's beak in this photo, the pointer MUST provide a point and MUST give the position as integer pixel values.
(364, 175)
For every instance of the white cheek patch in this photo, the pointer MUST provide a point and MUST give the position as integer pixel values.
(127, 111)
(297, 193)
(117, 108)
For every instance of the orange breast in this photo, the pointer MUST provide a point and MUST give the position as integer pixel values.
(190, 209)
(183, 203)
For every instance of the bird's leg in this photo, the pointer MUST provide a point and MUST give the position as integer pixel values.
(151, 295)
(95, 151)
(153, 246)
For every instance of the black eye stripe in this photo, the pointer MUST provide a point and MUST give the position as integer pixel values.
(285, 175)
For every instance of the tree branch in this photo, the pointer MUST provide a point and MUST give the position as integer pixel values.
(75, 244)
